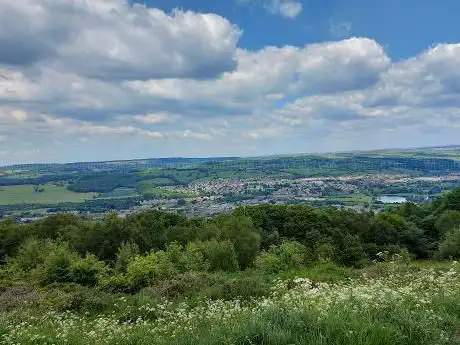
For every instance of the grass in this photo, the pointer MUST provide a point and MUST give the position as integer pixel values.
(119, 193)
(148, 185)
(357, 198)
(161, 192)
(51, 194)
(402, 305)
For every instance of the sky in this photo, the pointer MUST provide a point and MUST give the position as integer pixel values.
(90, 80)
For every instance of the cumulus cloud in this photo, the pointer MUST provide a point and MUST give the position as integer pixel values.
(286, 8)
(135, 86)
(69, 126)
(270, 74)
(156, 118)
(108, 39)
(430, 79)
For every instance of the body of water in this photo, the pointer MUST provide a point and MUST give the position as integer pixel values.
(392, 199)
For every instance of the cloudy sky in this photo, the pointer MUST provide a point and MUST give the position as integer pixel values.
(111, 79)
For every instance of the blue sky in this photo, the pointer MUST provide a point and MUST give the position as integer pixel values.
(108, 79)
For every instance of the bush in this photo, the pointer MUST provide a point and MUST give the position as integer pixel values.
(450, 247)
(220, 255)
(245, 288)
(269, 262)
(57, 265)
(145, 270)
(245, 237)
(117, 283)
(74, 297)
(193, 258)
(31, 254)
(87, 271)
(289, 255)
(448, 220)
(184, 284)
(325, 252)
(126, 253)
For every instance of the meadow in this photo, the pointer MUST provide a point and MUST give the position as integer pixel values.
(51, 193)
(384, 304)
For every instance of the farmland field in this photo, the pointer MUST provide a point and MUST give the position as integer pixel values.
(119, 193)
(25, 194)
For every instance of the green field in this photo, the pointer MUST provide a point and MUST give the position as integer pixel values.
(119, 193)
(357, 198)
(25, 194)
(155, 182)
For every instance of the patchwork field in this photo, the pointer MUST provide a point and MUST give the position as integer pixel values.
(49, 194)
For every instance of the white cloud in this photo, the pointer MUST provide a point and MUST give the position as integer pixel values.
(13, 114)
(69, 126)
(299, 98)
(286, 8)
(195, 135)
(270, 74)
(108, 39)
(264, 133)
(156, 118)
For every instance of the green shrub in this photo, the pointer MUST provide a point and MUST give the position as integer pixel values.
(87, 271)
(288, 255)
(74, 297)
(31, 254)
(245, 288)
(126, 253)
(450, 246)
(117, 283)
(220, 255)
(448, 220)
(245, 237)
(145, 270)
(185, 284)
(193, 258)
(269, 262)
(325, 252)
(57, 265)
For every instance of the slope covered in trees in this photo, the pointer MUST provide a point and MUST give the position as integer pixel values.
(158, 245)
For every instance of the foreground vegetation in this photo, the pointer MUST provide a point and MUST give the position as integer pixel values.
(262, 275)
(399, 306)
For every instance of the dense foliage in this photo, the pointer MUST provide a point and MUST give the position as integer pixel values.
(165, 278)
(145, 248)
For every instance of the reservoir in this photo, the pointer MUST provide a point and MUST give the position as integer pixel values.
(392, 199)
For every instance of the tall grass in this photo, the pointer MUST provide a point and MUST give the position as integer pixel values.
(400, 306)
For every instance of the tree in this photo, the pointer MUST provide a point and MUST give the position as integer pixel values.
(56, 266)
(449, 248)
(31, 254)
(288, 255)
(126, 254)
(245, 238)
(11, 237)
(451, 201)
(349, 251)
(87, 271)
(448, 220)
(220, 255)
